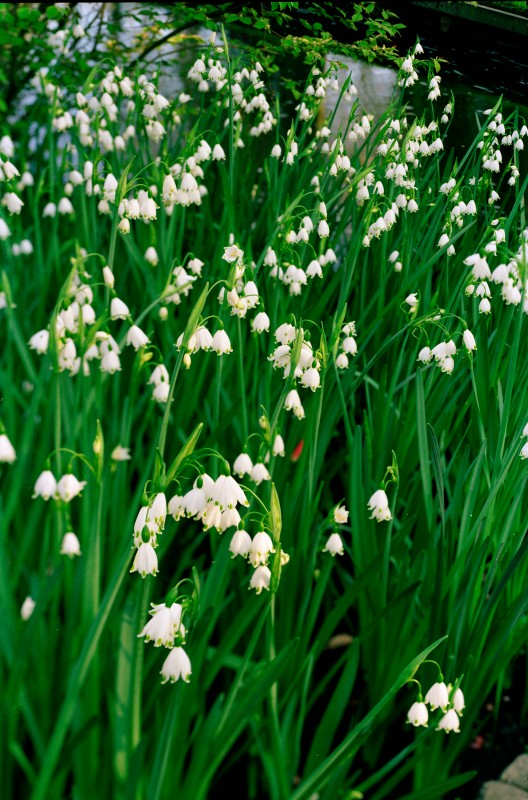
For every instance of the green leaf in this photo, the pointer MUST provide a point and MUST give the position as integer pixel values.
(185, 452)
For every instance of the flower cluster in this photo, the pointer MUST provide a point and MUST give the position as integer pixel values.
(447, 698)
(334, 544)
(166, 629)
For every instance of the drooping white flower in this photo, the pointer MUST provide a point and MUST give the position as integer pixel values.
(211, 516)
(242, 465)
(341, 515)
(7, 451)
(349, 346)
(469, 340)
(418, 714)
(228, 519)
(221, 343)
(293, 403)
(118, 309)
(278, 446)
(447, 365)
(227, 493)
(261, 322)
(322, 229)
(176, 507)
(136, 337)
(196, 499)
(261, 547)
(158, 511)
(120, 453)
(70, 545)
(425, 355)
(260, 579)
(151, 256)
(232, 253)
(161, 392)
(311, 379)
(28, 606)
(524, 452)
(177, 665)
(164, 625)
(12, 202)
(46, 485)
(458, 701)
(334, 545)
(69, 487)
(145, 561)
(437, 696)
(260, 473)
(240, 543)
(379, 505)
(449, 722)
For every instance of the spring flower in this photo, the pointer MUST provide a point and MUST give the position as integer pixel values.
(176, 507)
(293, 403)
(146, 560)
(136, 337)
(28, 606)
(276, 151)
(469, 340)
(221, 343)
(340, 515)
(458, 701)
(484, 306)
(524, 452)
(177, 665)
(69, 487)
(425, 355)
(7, 451)
(232, 253)
(311, 379)
(151, 256)
(120, 453)
(164, 625)
(349, 346)
(46, 485)
(260, 579)
(261, 322)
(65, 206)
(158, 511)
(412, 301)
(447, 365)
(218, 153)
(118, 309)
(278, 446)
(449, 722)
(341, 361)
(261, 547)
(334, 545)
(159, 375)
(418, 714)
(196, 499)
(70, 545)
(240, 544)
(12, 202)
(242, 465)
(227, 493)
(379, 505)
(437, 696)
(161, 392)
(322, 229)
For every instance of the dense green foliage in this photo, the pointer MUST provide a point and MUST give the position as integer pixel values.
(381, 263)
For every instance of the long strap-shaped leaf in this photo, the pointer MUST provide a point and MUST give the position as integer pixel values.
(321, 775)
(77, 677)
